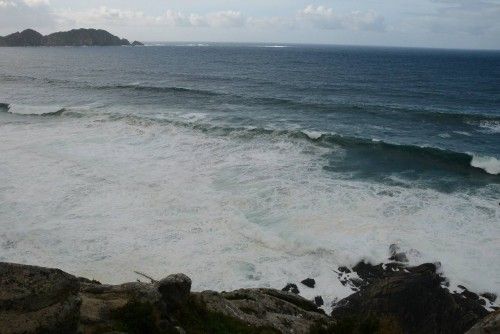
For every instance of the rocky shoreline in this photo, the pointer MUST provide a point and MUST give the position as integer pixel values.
(388, 298)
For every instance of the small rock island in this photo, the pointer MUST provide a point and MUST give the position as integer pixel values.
(75, 37)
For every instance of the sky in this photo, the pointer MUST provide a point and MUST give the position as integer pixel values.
(467, 24)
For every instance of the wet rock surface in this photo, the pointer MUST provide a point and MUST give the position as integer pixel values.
(309, 282)
(413, 299)
(290, 287)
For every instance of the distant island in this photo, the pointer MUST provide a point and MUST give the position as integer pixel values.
(75, 37)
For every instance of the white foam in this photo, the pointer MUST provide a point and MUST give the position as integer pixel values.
(490, 164)
(102, 198)
(194, 45)
(463, 133)
(194, 116)
(20, 109)
(312, 134)
(492, 127)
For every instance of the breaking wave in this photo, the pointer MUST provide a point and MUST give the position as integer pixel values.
(32, 110)
(459, 161)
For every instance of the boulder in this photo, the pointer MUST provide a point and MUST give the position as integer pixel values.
(309, 282)
(396, 255)
(413, 298)
(175, 289)
(318, 300)
(290, 287)
(35, 299)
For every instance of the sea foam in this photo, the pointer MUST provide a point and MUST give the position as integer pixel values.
(120, 196)
(20, 109)
(490, 164)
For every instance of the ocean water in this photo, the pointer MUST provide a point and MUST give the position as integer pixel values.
(245, 165)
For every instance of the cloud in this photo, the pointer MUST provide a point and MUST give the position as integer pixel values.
(319, 17)
(326, 18)
(36, 3)
(5, 4)
(20, 14)
(472, 17)
(275, 22)
(120, 17)
(98, 16)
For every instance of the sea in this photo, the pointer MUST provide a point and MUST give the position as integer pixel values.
(250, 165)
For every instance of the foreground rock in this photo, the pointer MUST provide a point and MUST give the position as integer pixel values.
(267, 309)
(41, 300)
(403, 299)
(34, 300)
(75, 37)
(391, 298)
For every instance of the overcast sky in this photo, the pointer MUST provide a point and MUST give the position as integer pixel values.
(427, 23)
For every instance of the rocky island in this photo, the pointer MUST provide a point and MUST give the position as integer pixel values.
(389, 298)
(75, 37)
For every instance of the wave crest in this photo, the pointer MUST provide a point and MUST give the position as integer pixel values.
(490, 164)
(25, 110)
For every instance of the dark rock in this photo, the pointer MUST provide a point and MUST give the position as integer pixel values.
(89, 281)
(318, 300)
(175, 289)
(368, 272)
(490, 296)
(468, 294)
(309, 282)
(345, 270)
(357, 282)
(412, 298)
(290, 287)
(137, 43)
(399, 257)
(488, 325)
(396, 255)
(35, 299)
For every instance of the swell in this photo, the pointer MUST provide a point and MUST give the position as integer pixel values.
(159, 89)
(384, 110)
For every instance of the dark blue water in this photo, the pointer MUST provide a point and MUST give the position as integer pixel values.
(422, 113)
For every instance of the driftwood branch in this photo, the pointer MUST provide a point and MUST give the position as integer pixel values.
(148, 277)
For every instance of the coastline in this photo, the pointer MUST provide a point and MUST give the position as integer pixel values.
(388, 297)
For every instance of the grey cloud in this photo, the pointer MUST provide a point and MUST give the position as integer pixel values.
(17, 15)
(326, 18)
(474, 17)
